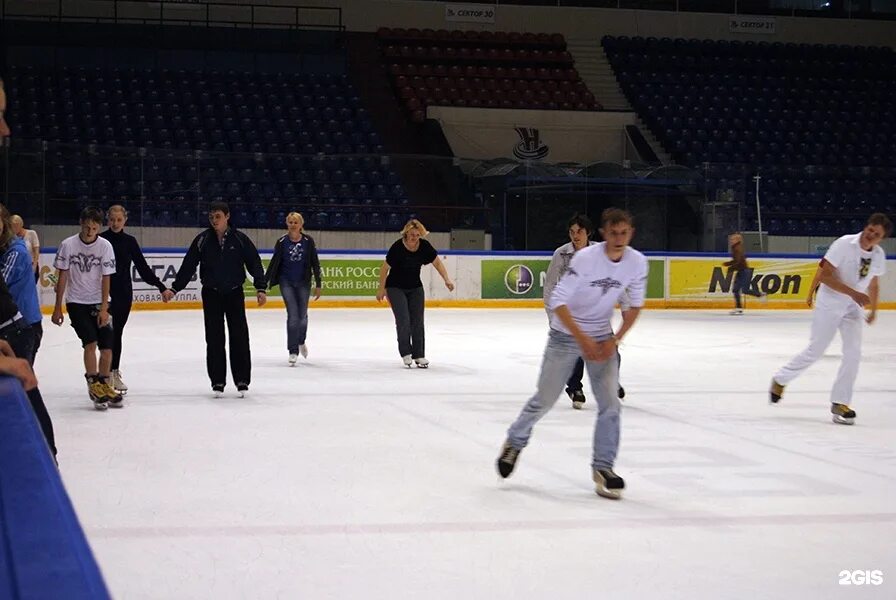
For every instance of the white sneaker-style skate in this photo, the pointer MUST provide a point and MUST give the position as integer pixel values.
(118, 383)
(242, 389)
(292, 359)
(422, 363)
(303, 350)
(408, 361)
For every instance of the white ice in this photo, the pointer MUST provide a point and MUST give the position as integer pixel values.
(351, 476)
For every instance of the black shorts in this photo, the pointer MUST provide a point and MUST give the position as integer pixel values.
(83, 319)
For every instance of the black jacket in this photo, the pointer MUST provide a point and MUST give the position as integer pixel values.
(222, 267)
(312, 265)
(8, 307)
(127, 250)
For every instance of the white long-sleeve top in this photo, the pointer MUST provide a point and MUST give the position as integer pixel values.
(559, 264)
(593, 285)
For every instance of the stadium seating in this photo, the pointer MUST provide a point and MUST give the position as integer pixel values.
(817, 122)
(261, 146)
(482, 69)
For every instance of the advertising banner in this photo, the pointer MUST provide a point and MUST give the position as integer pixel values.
(341, 277)
(164, 265)
(700, 278)
(524, 279)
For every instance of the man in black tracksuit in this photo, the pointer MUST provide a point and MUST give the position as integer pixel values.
(223, 255)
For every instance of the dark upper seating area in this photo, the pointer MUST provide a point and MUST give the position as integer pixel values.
(261, 137)
(817, 122)
(482, 69)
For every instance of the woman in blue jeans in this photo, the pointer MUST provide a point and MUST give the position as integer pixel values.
(294, 262)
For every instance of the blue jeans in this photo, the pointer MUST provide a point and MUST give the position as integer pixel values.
(743, 285)
(560, 356)
(296, 296)
(574, 383)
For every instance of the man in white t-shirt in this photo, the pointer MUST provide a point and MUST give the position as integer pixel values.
(849, 279)
(582, 306)
(32, 242)
(85, 263)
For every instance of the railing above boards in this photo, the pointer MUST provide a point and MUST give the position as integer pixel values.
(197, 13)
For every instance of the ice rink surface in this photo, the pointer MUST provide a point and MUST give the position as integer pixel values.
(351, 476)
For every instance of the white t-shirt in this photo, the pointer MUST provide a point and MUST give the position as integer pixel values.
(593, 285)
(86, 264)
(855, 267)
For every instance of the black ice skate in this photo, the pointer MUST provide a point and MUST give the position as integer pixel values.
(242, 389)
(608, 484)
(775, 392)
(578, 399)
(507, 460)
(620, 393)
(218, 389)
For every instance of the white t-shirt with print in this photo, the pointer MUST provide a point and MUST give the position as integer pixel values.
(855, 267)
(86, 264)
(593, 285)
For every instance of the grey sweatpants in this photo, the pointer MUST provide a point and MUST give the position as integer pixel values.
(407, 306)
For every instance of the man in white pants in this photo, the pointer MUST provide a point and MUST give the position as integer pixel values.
(849, 280)
(582, 305)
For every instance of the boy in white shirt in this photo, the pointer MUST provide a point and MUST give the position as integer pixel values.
(582, 306)
(85, 263)
(849, 278)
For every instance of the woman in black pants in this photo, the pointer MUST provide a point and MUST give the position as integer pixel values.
(400, 281)
(121, 292)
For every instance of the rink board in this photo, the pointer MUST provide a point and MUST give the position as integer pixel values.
(499, 279)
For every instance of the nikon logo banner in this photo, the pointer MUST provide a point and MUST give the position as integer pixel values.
(781, 279)
(548, 135)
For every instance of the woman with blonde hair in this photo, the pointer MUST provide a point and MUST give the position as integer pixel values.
(121, 287)
(400, 281)
(294, 263)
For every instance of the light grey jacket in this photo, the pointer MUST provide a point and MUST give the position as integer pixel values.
(557, 268)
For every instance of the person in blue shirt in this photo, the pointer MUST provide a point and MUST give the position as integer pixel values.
(292, 266)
